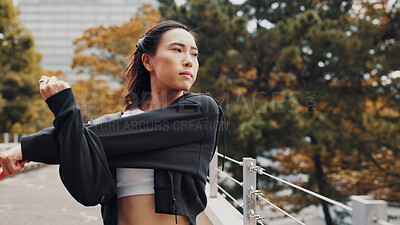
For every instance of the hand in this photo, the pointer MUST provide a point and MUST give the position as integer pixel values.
(50, 86)
(10, 161)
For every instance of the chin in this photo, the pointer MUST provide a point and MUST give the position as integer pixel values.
(185, 88)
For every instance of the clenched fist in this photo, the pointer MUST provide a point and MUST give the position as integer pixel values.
(50, 86)
(11, 162)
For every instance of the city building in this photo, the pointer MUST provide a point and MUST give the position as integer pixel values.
(55, 24)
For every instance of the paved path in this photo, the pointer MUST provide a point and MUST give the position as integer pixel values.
(37, 197)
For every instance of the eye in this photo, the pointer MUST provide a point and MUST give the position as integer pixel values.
(177, 49)
(195, 54)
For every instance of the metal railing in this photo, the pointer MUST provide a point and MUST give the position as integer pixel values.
(5, 137)
(5, 141)
(364, 210)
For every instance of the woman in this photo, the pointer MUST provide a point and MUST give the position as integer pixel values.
(149, 165)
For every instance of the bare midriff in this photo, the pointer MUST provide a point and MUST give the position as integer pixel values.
(140, 210)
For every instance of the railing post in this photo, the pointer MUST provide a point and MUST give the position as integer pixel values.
(249, 184)
(214, 175)
(367, 211)
(16, 138)
(6, 138)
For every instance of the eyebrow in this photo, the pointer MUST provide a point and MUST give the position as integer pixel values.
(182, 45)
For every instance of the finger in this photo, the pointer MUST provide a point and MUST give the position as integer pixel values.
(19, 166)
(1, 169)
(65, 84)
(57, 87)
(61, 85)
(11, 165)
(23, 162)
(5, 169)
(52, 79)
(43, 81)
(44, 78)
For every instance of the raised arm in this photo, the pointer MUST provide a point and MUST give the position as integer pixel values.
(83, 165)
(83, 149)
(174, 125)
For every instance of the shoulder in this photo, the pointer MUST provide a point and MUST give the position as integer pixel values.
(105, 118)
(205, 100)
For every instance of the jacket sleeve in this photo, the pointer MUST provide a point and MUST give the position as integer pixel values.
(83, 165)
(41, 147)
(174, 125)
(82, 149)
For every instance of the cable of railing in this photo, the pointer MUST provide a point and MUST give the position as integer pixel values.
(346, 207)
(227, 194)
(279, 209)
(230, 159)
(230, 177)
(251, 194)
(230, 196)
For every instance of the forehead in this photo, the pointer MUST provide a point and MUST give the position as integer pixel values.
(178, 35)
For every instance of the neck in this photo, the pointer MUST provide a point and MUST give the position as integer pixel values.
(159, 99)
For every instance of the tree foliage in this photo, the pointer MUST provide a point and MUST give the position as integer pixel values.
(306, 83)
(95, 98)
(20, 101)
(318, 73)
(103, 52)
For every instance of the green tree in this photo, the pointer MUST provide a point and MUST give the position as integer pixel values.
(103, 51)
(19, 75)
(324, 71)
(95, 98)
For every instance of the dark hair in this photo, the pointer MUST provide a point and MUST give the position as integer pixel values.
(136, 74)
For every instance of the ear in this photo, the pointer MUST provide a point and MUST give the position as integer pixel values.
(147, 61)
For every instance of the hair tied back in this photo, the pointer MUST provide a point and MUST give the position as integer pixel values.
(139, 44)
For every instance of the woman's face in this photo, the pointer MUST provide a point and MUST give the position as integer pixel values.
(174, 65)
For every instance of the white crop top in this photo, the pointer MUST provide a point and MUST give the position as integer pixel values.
(132, 181)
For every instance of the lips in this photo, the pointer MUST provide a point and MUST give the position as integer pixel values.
(187, 73)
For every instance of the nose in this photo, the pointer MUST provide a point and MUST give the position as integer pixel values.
(187, 61)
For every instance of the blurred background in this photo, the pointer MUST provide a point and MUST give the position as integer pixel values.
(310, 88)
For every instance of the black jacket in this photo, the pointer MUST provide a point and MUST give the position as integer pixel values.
(177, 141)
